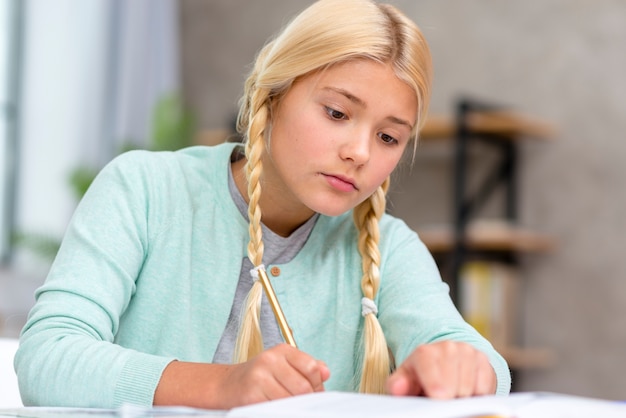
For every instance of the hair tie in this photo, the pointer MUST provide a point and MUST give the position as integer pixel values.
(368, 306)
(255, 272)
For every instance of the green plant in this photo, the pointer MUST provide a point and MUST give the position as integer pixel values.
(172, 128)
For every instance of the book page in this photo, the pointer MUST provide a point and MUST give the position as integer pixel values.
(354, 405)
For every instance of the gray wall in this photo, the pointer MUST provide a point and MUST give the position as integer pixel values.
(561, 60)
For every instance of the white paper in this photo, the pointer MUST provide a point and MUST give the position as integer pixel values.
(352, 405)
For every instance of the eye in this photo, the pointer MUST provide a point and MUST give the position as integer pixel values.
(334, 114)
(387, 139)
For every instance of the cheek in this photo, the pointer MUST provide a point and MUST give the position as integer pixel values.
(292, 132)
(385, 168)
(379, 175)
(308, 142)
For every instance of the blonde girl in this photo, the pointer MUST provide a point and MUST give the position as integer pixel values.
(153, 298)
(326, 34)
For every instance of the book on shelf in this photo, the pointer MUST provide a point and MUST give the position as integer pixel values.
(488, 299)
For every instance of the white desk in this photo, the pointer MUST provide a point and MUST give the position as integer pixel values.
(352, 405)
(9, 394)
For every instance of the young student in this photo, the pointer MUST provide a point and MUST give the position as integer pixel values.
(153, 298)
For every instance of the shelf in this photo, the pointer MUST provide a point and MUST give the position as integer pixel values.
(469, 237)
(503, 123)
(212, 136)
(487, 236)
(527, 358)
(506, 124)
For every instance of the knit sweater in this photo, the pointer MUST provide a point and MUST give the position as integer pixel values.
(147, 272)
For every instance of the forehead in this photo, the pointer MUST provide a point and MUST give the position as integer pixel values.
(367, 82)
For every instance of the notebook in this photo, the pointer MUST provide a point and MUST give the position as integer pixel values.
(354, 405)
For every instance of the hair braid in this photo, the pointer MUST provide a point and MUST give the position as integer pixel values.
(249, 339)
(327, 33)
(376, 362)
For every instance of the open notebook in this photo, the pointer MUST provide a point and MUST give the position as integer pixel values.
(352, 405)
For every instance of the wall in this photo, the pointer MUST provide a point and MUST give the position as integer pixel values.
(560, 60)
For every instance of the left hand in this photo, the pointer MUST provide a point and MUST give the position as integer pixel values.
(444, 370)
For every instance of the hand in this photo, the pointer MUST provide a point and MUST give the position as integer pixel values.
(275, 373)
(444, 370)
(279, 372)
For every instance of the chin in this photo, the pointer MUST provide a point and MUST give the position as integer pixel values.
(329, 210)
(332, 213)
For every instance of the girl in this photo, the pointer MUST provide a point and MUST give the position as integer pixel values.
(153, 297)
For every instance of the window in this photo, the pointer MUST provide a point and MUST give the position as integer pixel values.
(10, 26)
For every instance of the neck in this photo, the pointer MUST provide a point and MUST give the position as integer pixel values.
(277, 213)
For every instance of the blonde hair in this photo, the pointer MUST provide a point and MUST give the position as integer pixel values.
(326, 33)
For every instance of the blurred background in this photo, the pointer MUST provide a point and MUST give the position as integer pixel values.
(83, 80)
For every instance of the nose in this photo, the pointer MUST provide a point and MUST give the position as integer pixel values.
(356, 148)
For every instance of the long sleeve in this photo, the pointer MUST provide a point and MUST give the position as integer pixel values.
(415, 306)
(67, 354)
(320, 294)
(146, 274)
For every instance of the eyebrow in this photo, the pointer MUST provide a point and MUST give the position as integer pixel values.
(359, 102)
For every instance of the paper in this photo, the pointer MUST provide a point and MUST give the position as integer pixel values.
(352, 405)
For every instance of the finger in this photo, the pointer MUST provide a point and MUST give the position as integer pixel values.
(324, 374)
(408, 378)
(400, 383)
(486, 380)
(274, 389)
(269, 368)
(468, 365)
(302, 374)
(255, 381)
(437, 369)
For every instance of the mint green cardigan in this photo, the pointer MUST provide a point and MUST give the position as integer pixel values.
(147, 273)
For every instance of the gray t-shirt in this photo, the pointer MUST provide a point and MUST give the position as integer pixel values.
(277, 250)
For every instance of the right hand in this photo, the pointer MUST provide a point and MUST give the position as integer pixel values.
(278, 372)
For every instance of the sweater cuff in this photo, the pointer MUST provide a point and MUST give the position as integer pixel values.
(503, 374)
(138, 380)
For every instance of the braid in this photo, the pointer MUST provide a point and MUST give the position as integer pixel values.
(249, 339)
(376, 362)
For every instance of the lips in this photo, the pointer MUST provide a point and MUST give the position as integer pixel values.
(341, 183)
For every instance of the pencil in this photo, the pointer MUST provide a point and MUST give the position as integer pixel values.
(278, 312)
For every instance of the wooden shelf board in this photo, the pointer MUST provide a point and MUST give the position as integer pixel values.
(212, 136)
(438, 127)
(488, 236)
(527, 358)
(504, 123)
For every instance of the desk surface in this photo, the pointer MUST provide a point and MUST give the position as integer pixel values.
(123, 412)
(353, 405)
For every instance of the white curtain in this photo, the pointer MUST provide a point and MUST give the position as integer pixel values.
(145, 64)
(92, 72)
(8, 14)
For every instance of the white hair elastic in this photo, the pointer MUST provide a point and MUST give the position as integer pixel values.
(255, 272)
(368, 306)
